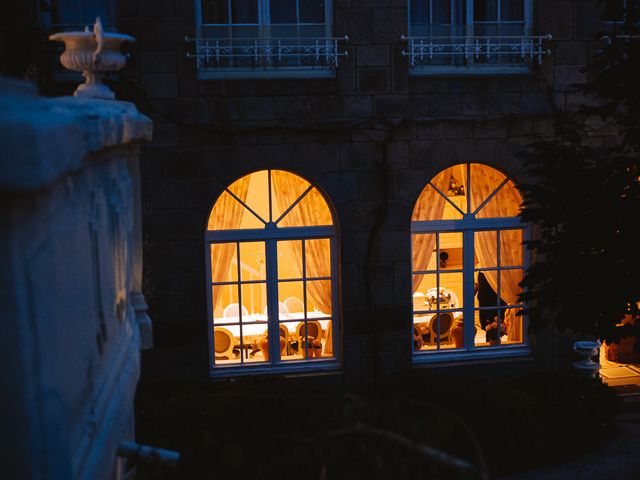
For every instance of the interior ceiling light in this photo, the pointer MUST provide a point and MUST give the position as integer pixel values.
(455, 189)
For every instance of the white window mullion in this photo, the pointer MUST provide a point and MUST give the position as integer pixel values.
(273, 320)
(468, 288)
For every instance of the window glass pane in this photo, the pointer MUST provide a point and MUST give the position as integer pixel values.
(424, 255)
(289, 259)
(254, 301)
(422, 285)
(286, 188)
(511, 247)
(514, 326)
(505, 203)
(450, 251)
(510, 285)
(485, 10)
(312, 210)
(215, 11)
(486, 249)
(223, 296)
(311, 11)
(291, 350)
(229, 214)
(244, 11)
(291, 300)
(486, 291)
(318, 298)
(614, 10)
(511, 10)
(420, 12)
(441, 11)
(493, 328)
(224, 262)
(252, 258)
(226, 345)
(255, 347)
(255, 195)
(484, 181)
(450, 292)
(318, 257)
(283, 11)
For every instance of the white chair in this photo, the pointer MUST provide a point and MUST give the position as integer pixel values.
(233, 310)
(293, 305)
(223, 343)
(282, 308)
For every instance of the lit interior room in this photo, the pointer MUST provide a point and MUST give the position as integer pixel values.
(265, 284)
(467, 261)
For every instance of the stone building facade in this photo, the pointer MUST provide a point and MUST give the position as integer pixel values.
(370, 137)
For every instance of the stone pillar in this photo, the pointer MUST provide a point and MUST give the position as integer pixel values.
(70, 300)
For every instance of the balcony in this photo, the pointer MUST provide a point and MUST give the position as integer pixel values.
(475, 54)
(266, 57)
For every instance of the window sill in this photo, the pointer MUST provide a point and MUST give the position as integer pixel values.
(281, 369)
(467, 71)
(467, 357)
(279, 73)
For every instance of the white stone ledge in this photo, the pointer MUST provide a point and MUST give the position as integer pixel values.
(44, 139)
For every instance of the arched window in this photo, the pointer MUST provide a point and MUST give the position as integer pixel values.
(270, 246)
(468, 261)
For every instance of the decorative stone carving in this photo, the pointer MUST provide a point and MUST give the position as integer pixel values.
(94, 54)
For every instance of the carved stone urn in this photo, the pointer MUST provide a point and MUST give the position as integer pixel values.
(586, 350)
(94, 54)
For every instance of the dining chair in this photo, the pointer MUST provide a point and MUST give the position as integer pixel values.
(223, 343)
(446, 322)
(233, 310)
(293, 305)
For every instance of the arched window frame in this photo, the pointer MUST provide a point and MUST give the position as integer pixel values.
(468, 226)
(271, 234)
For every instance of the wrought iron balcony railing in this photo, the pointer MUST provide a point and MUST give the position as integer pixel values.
(257, 53)
(476, 50)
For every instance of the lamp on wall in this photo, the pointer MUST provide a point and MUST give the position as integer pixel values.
(455, 189)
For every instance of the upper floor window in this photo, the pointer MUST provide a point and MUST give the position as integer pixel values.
(271, 270)
(468, 262)
(621, 11)
(251, 37)
(480, 35)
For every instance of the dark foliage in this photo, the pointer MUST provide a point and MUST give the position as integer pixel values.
(584, 203)
(276, 428)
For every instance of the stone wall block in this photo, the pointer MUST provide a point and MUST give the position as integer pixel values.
(587, 19)
(537, 103)
(570, 52)
(555, 18)
(445, 105)
(155, 8)
(400, 69)
(356, 23)
(389, 106)
(490, 129)
(504, 104)
(341, 187)
(389, 24)
(160, 85)
(165, 135)
(475, 104)
(373, 80)
(433, 130)
(357, 106)
(372, 55)
(346, 73)
(398, 154)
(164, 61)
(569, 77)
(360, 156)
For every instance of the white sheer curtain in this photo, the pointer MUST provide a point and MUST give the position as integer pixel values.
(430, 206)
(484, 182)
(226, 215)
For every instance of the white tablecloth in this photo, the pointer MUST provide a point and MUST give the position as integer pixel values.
(256, 324)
